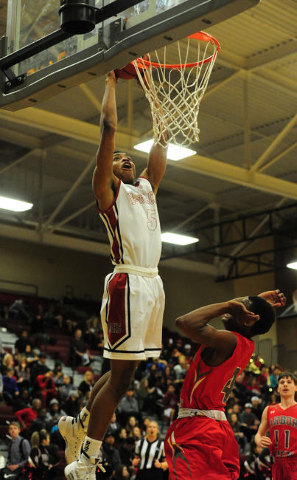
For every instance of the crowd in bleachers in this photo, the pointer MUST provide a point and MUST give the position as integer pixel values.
(36, 396)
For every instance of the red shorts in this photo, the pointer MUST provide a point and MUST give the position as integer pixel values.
(200, 447)
(284, 470)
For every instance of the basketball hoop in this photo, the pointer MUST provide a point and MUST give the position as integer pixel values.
(175, 90)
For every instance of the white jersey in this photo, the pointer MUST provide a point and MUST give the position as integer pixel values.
(133, 226)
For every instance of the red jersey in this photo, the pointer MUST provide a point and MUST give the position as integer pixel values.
(208, 388)
(283, 431)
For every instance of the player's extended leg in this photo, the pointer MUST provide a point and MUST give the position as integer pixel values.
(102, 409)
(74, 429)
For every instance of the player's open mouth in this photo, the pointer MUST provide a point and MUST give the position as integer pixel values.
(127, 166)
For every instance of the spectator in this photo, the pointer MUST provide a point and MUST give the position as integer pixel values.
(54, 413)
(122, 435)
(39, 367)
(160, 364)
(238, 434)
(128, 405)
(121, 472)
(40, 422)
(153, 401)
(249, 421)
(27, 415)
(264, 378)
(136, 433)
(131, 423)
(23, 374)
(22, 342)
(30, 355)
(241, 392)
(18, 310)
(274, 377)
(79, 355)
(73, 404)
(254, 385)
(7, 362)
(110, 452)
(58, 373)
(170, 403)
(126, 451)
(251, 464)
(87, 383)
(23, 400)
(44, 457)
(65, 389)
(257, 407)
(52, 318)
(180, 370)
(141, 392)
(46, 387)
(10, 388)
(18, 453)
(114, 426)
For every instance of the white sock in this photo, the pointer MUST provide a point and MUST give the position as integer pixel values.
(91, 447)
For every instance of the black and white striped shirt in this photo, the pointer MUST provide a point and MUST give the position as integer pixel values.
(149, 452)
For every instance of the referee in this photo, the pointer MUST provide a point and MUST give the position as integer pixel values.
(149, 455)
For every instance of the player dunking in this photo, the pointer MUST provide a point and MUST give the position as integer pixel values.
(201, 443)
(133, 299)
(281, 421)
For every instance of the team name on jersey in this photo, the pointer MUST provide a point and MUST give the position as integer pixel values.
(142, 198)
(283, 420)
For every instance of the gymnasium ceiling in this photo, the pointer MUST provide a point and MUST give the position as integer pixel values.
(245, 162)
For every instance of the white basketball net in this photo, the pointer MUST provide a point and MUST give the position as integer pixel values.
(174, 94)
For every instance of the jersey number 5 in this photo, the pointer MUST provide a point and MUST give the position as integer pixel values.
(228, 387)
(151, 219)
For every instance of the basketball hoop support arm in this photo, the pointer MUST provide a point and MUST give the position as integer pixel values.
(50, 40)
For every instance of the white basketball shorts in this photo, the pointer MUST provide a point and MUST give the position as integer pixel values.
(132, 316)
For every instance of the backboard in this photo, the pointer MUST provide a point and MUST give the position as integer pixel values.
(39, 60)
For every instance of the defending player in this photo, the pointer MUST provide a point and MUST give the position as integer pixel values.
(281, 421)
(200, 443)
(133, 299)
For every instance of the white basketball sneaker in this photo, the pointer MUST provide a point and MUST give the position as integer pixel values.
(73, 431)
(84, 468)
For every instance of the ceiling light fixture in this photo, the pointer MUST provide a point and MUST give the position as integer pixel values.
(177, 239)
(14, 205)
(175, 152)
(292, 265)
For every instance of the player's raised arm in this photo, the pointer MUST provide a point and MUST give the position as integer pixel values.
(104, 181)
(260, 438)
(195, 325)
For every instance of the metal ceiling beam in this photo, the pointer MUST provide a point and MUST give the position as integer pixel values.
(70, 217)
(270, 56)
(68, 195)
(62, 125)
(278, 157)
(19, 138)
(85, 132)
(274, 144)
(36, 151)
(192, 217)
(231, 60)
(241, 246)
(89, 94)
(240, 176)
